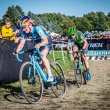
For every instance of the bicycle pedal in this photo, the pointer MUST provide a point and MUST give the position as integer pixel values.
(32, 82)
(49, 84)
(45, 87)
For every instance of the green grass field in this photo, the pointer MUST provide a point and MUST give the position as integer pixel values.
(65, 63)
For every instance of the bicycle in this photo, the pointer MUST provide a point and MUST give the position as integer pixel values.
(33, 79)
(79, 69)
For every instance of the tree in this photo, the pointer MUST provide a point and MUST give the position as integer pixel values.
(13, 13)
(108, 15)
(59, 23)
(83, 24)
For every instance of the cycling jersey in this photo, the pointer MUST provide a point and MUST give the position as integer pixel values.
(7, 33)
(78, 41)
(37, 33)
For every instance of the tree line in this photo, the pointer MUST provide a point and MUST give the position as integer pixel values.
(59, 23)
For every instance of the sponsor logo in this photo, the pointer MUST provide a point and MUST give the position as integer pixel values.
(99, 52)
(94, 45)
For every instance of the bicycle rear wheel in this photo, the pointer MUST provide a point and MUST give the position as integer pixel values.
(31, 85)
(59, 88)
(77, 73)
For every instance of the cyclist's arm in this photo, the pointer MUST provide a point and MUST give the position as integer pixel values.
(68, 46)
(22, 42)
(43, 43)
(85, 44)
(43, 37)
(20, 46)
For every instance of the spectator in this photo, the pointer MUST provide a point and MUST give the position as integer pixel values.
(0, 33)
(87, 34)
(18, 31)
(7, 31)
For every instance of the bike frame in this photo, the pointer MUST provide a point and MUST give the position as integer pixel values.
(79, 59)
(36, 65)
(35, 55)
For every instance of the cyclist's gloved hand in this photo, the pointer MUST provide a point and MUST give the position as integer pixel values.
(82, 50)
(37, 46)
(15, 53)
(69, 51)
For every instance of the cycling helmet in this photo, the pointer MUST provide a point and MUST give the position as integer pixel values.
(24, 21)
(71, 30)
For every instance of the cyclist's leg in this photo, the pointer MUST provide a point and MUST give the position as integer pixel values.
(75, 50)
(86, 63)
(45, 50)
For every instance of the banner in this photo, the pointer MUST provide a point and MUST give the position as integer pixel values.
(98, 52)
(9, 66)
(97, 57)
(99, 44)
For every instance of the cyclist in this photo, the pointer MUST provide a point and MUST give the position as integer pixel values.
(42, 41)
(80, 43)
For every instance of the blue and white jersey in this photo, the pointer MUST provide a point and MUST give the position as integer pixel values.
(37, 33)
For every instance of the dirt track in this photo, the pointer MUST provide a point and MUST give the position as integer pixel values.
(93, 96)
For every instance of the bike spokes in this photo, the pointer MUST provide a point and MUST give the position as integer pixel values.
(59, 86)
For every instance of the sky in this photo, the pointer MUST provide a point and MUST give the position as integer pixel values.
(68, 7)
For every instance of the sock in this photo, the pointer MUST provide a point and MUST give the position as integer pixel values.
(87, 70)
(49, 72)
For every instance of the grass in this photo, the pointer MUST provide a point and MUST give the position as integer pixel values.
(66, 65)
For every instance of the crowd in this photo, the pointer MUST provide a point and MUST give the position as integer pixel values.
(96, 34)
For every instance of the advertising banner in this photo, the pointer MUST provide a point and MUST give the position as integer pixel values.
(99, 44)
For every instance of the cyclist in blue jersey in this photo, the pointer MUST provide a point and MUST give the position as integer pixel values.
(42, 41)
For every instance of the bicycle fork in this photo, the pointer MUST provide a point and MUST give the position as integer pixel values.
(32, 74)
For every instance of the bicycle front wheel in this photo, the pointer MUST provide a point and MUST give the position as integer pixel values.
(77, 73)
(59, 88)
(30, 83)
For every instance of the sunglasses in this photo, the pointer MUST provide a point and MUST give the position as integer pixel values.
(71, 35)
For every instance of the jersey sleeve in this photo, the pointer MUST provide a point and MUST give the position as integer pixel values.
(23, 35)
(40, 31)
(81, 35)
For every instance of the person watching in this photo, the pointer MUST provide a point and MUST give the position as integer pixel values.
(7, 31)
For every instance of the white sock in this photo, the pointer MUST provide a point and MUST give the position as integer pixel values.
(49, 72)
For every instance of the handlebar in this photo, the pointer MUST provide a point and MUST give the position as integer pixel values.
(82, 51)
(32, 51)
